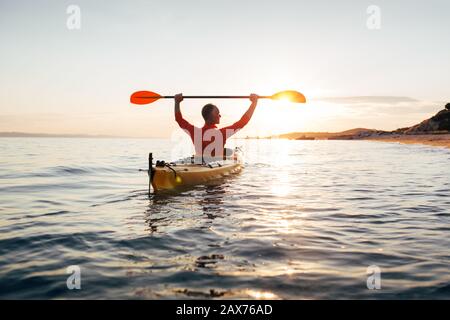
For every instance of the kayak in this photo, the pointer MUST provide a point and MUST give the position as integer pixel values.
(188, 172)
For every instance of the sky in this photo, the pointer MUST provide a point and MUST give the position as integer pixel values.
(356, 67)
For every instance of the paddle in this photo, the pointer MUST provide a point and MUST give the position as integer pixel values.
(146, 97)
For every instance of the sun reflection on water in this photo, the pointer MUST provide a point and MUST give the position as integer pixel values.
(261, 295)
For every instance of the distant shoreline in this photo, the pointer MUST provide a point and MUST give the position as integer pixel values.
(437, 140)
(50, 135)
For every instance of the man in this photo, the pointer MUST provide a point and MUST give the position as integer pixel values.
(209, 141)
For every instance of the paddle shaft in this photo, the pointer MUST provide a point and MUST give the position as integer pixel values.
(204, 97)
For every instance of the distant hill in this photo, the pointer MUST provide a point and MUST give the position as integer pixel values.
(439, 123)
(344, 135)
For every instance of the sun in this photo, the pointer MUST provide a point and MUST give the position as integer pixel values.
(280, 116)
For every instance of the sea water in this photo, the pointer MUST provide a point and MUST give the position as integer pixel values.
(304, 219)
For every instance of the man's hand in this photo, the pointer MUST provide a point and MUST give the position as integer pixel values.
(254, 97)
(178, 98)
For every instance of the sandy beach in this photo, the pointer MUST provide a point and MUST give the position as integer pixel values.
(439, 140)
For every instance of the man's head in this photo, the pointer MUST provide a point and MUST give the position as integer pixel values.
(211, 114)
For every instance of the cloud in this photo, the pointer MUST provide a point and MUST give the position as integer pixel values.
(368, 100)
(386, 105)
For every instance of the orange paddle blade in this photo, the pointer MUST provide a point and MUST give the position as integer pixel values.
(289, 95)
(144, 97)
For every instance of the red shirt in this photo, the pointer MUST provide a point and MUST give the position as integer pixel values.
(209, 140)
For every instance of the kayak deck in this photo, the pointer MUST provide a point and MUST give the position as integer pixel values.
(187, 172)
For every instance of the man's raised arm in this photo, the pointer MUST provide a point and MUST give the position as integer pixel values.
(179, 117)
(249, 113)
(178, 98)
(246, 117)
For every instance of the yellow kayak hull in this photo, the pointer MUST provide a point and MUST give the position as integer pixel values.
(185, 175)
